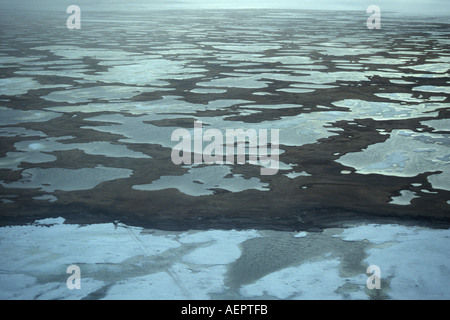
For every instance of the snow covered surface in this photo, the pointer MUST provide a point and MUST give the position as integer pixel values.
(117, 261)
(127, 95)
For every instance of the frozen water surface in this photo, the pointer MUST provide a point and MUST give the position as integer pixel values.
(110, 93)
(123, 262)
(12, 116)
(405, 153)
(200, 181)
(86, 120)
(53, 179)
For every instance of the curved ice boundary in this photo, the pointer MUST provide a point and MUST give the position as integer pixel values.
(122, 262)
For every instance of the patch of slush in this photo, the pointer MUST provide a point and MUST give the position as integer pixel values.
(46, 197)
(135, 130)
(405, 153)
(296, 90)
(84, 95)
(19, 132)
(14, 159)
(404, 198)
(430, 67)
(154, 110)
(151, 72)
(17, 61)
(429, 88)
(386, 110)
(53, 179)
(441, 180)
(208, 91)
(101, 148)
(397, 81)
(252, 48)
(438, 125)
(293, 175)
(17, 86)
(383, 60)
(78, 53)
(407, 97)
(247, 82)
(37, 151)
(273, 106)
(201, 181)
(12, 116)
(313, 86)
(71, 73)
(351, 50)
(296, 130)
(441, 58)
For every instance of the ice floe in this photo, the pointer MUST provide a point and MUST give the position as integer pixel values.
(123, 262)
(109, 93)
(405, 197)
(38, 151)
(201, 181)
(405, 153)
(53, 179)
(439, 89)
(438, 124)
(387, 110)
(14, 116)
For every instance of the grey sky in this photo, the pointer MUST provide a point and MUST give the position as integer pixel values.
(420, 7)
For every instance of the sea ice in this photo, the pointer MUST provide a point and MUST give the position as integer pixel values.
(405, 198)
(122, 262)
(14, 116)
(52, 179)
(405, 153)
(200, 181)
